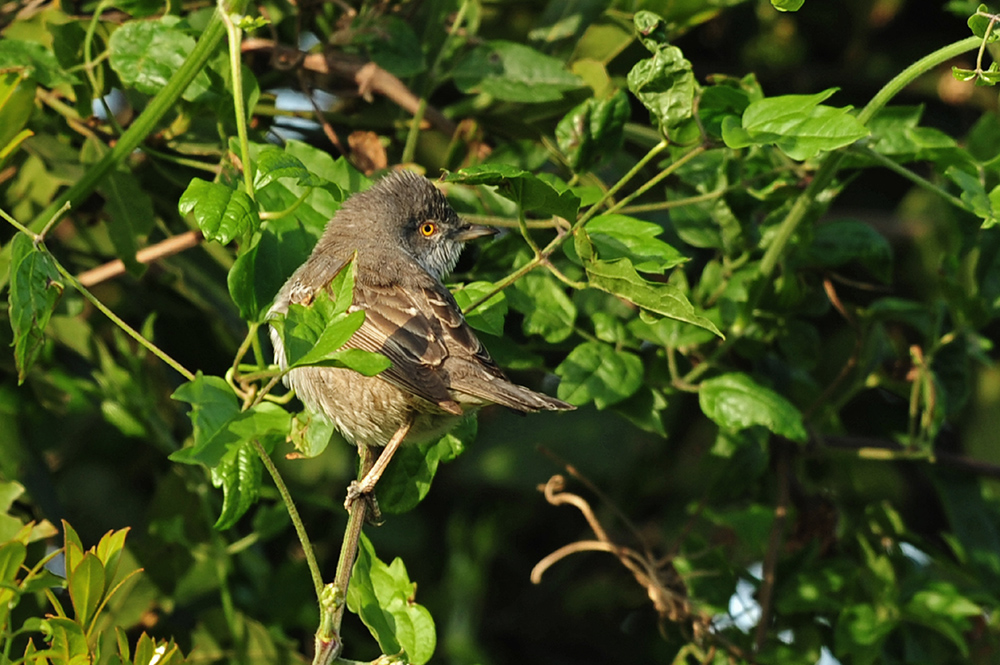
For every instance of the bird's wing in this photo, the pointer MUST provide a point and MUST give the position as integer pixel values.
(443, 344)
(401, 323)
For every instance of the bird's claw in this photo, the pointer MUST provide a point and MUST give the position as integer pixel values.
(355, 491)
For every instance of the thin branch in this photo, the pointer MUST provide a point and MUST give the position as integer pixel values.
(160, 250)
(765, 596)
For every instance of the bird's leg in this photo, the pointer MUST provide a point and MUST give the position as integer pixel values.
(364, 486)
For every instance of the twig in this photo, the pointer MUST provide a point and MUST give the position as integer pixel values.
(766, 595)
(160, 250)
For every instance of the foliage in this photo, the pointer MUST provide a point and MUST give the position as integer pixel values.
(778, 393)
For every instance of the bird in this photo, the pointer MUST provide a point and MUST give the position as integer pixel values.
(403, 237)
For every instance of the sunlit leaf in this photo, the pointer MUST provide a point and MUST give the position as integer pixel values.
(382, 596)
(735, 401)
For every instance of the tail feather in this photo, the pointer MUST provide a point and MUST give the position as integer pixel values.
(511, 395)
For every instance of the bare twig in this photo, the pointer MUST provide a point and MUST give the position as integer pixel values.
(765, 596)
(160, 250)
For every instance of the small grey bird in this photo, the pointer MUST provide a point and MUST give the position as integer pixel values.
(407, 237)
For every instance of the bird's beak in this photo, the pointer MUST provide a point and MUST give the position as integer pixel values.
(473, 231)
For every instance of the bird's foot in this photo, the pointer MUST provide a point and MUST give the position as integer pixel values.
(356, 491)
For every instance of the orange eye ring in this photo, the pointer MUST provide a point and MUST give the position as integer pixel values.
(427, 229)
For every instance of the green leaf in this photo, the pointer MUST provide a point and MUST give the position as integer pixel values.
(408, 479)
(617, 236)
(213, 406)
(666, 86)
(593, 130)
(238, 474)
(17, 102)
(396, 48)
(312, 338)
(896, 133)
(596, 372)
(861, 629)
(973, 193)
(274, 163)
(12, 556)
(33, 61)
(145, 54)
(619, 278)
(514, 72)
(222, 213)
(735, 401)
(980, 24)
(840, 242)
(34, 291)
(131, 216)
(86, 587)
(787, 5)
(67, 642)
(964, 75)
(651, 28)
(547, 309)
(942, 607)
(109, 550)
(382, 596)
(488, 317)
(798, 124)
(222, 441)
(527, 190)
(311, 433)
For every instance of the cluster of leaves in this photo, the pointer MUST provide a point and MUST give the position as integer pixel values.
(672, 259)
(95, 581)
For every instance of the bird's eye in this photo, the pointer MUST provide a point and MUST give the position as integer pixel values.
(427, 229)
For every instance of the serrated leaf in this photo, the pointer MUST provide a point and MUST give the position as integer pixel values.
(526, 189)
(35, 288)
(597, 372)
(593, 130)
(222, 213)
(382, 596)
(86, 587)
(798, 124)
(145, 54)
(735, 401)
(488, 317)
(515, 73)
